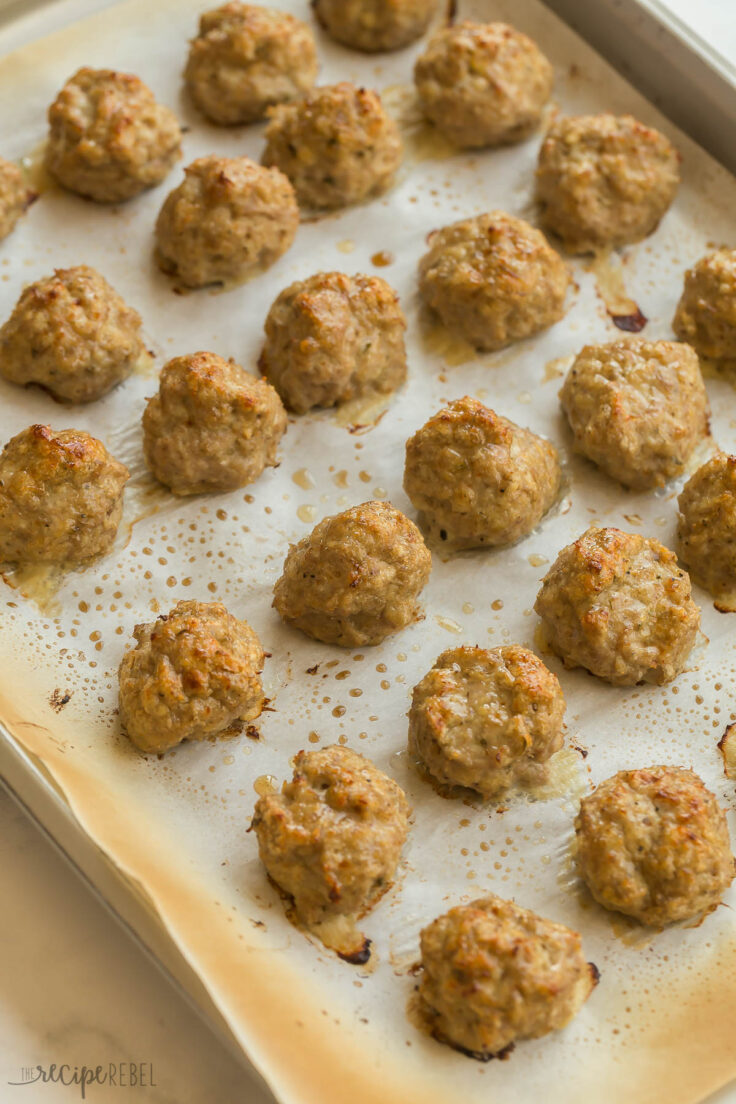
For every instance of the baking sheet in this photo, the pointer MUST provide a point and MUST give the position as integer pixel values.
(660, 1022)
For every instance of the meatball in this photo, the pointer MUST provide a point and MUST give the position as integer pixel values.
(494, 973)
(194, 673)
(636, 408)
(108, 138)
(483, 84)
(245, 59)
(619, 605)
(356, 578)
(332, 338)
(706, 313)
(486, 718)
(707, 525)
(72, 334)
(477, 478)
(15, 197)
(61, 497)
(493, 279)
(604, 181)
(654, 844)
(228, 219)
(337, 145)
(211, 427)
(375, 25)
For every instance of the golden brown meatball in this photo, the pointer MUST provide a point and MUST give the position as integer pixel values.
(245, 59)
(493, 279)
(486, 719)
(494, 973)
(707, 525)
(109, 139)
(375, 25)
(605, 181)
(636, 408)
(61, 497)
(72, 334)
(212, 426)
(477, 478)
(194, 673)
(228, 219)
(706, 314)
(332, 338)
(337, 145)
(483, 84)
(654, 844)
(619, 605)
(15, 197)
(356, 578)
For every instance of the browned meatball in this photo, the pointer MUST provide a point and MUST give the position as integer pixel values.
(72, 334)
(245, 59)
(605, 181)
(486, 719)
(332, 338)
(654, 844)
(337, 145)
(109, 139)
(15, 197)
(619, 605)
(228, 219)
(706, 314)
(707, 525)
(61, 497)
(494, 973)
(483, 84)
(212, 426)
(375, 25)
(477, 478)
(493, 279)
(356, 578)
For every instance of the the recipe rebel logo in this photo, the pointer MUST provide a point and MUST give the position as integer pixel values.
(122, 1075)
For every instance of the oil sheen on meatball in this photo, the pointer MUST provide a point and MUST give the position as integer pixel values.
(604, 181)
(707, 525)
(619, 605)
(706, 313)
(245, 59)
(194, 673)
(72, 334)
(109, 139)
(637, 409)
(477, 478)
(494, 973)
(61, 497)
(337, 145)
(486, 719)
(493, 280)
(228, 219)
(15, 197)
(212, 426)
(654, 844)
(356, 578)
(332, 338)
(483, 84)
(375, 25)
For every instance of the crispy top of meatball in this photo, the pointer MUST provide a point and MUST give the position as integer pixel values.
(15, 196)
(375, 25)
(706, 313)
(707, 526)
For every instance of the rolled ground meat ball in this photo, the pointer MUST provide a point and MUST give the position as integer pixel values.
(654, 844)
(483, 84)
(493, 279)
(707, 525)
(61, 497)
(486, 719)
(604, 180)
(356, 578)
(194, 673)
(337, 145)
(636, 408)
(15, 197)
(619, 605)
(245, 59)
(228, 219)
(109, 139)
(72, 334)
(375, 25)
(494, 973)
(332, 338)
(706, 314)
(477, 478)
(212, 426)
